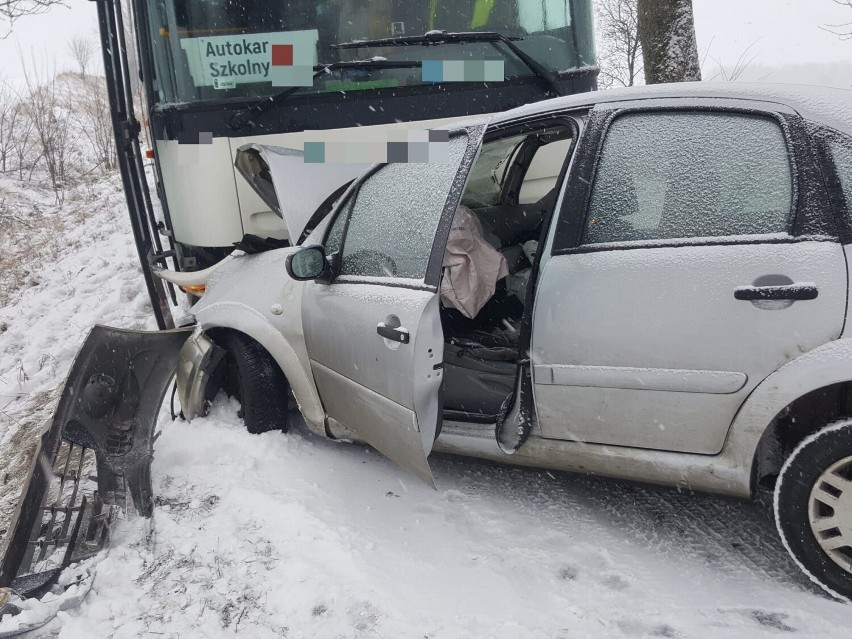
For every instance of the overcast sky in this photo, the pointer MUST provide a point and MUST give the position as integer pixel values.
(785, 32)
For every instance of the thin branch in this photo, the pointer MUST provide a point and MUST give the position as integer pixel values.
(842, 30)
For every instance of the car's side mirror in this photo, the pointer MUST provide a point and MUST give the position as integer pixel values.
(308, 263)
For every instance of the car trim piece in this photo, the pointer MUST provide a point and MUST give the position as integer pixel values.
(198, 358)
(721, 474)
(392, 282)
(728, 240)
(822, 136)
(657, 379)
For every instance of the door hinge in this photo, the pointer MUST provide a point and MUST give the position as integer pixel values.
(130, 130)
(155, 258)
(162, 230)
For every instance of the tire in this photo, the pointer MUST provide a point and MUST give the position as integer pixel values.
(254, 378)
(807, 506)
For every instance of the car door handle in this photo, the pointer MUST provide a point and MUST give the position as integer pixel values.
(797, 292)
(398, 334)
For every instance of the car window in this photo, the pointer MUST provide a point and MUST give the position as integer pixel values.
(393, 222)
(485, 185)
(690, 174)
(544, 169)
(842, 156)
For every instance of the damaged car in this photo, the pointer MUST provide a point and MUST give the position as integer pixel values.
(646, 284)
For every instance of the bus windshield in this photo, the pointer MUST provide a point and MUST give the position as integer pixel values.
(213, 49)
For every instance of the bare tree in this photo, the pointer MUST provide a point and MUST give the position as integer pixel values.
(11, 10)
(619, 51)
(732, 74)
(93, 115)
(669, 47)
(18, 152)
(82, 49)
(843, 29)
(7, 105)
(50, 120)
(23, 145)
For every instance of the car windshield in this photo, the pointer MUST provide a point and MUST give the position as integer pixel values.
(214, 49)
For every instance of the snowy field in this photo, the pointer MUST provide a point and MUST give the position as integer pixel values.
(293, 536)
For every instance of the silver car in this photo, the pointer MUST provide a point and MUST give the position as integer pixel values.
(648, 284)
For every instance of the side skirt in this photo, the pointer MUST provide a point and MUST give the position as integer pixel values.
(703, 473)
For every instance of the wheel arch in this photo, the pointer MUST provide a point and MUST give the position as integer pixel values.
(799, 419)
(787, 406)
(244, 319)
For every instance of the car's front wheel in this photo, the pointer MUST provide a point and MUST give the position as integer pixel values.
(813, 507)
(254, 378)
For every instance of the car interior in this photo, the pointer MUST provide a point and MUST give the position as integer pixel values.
(511, 192)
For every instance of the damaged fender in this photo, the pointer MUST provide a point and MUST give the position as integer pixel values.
(198, 358)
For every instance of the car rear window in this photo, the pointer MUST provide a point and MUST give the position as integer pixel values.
(665, 175)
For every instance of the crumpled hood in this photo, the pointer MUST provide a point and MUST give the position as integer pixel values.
(293, 189)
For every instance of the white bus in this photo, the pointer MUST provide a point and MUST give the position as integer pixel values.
(218, 74)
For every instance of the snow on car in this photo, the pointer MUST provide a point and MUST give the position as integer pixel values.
(667, 304)
(670, 292)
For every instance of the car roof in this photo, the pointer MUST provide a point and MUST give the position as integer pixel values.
(829, 106)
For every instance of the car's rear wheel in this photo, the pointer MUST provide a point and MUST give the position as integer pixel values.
(813, 507)
(254, 378)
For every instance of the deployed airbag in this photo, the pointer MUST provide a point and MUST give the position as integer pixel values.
(472, 267)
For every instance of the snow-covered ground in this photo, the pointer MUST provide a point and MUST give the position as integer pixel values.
(288, 535)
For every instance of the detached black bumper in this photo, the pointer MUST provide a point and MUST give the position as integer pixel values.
(94, 457)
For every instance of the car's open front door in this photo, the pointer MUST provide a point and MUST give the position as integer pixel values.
(374, 333)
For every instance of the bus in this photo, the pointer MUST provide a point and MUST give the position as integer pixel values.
(218, 74)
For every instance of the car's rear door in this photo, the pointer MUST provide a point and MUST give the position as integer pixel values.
(374, 334)
(693, 257)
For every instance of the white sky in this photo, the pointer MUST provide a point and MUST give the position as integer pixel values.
(786, 32)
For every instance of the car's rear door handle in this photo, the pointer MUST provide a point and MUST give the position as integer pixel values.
(798, 292)
(397, 334)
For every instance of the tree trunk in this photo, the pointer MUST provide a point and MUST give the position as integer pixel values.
(669, 48)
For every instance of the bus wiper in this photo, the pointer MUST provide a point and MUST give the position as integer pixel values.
(244, 116)
(433, 38)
